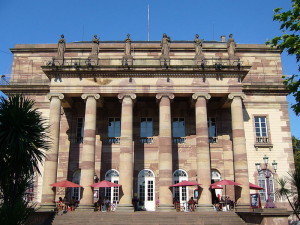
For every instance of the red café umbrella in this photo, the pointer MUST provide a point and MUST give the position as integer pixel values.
(185, 183)
(255, 187)
(225, 182)
(216, 187)
(105, 184)
(65, 183)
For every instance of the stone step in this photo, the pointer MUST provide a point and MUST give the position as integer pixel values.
(148, 218)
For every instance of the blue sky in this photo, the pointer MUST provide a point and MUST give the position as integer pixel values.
(42, 21)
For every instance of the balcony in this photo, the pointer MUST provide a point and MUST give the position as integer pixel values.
(146, 140)
(263, 142)
(179, 140)
(213, 139)
(113, 140)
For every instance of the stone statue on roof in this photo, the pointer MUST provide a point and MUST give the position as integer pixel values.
(127, 58)
(165, 45)
(61, 47)
(231, 46)
(95, 46)
(199, 56)
(198, 45)
(127, 49)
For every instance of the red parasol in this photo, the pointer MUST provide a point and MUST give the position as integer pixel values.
(65, 183)
(105, 184)
(225, 182)
(216, 187)
(185, 183)
(255, 187)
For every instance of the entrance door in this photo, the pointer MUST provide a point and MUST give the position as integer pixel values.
(180, 193)
(112, 193)
(146, 190)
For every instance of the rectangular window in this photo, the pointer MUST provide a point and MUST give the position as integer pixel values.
(146, 127)
(79, 130)
(178, 127)
(146, 132)
(114, 130)
(114, 127)
(178, 130)
(261, 130)
(212, 129)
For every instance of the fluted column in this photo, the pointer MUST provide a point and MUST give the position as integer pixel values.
(126, 151)
(50, 166)
(202, 146)
(239, 149)
(88, 149)
(165, 152)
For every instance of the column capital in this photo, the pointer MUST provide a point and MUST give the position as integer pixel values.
(232, 95)
(169, 95)
(85, 96)
(58, 95)
(204, 95)
(123, 95)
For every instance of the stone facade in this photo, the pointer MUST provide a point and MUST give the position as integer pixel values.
(233, 92)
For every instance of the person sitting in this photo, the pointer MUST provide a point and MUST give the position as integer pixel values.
(192, 203)
(60, 205)
(107, 204)
(176, 204)
(98, 204)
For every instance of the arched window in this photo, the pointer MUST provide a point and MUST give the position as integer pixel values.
(262, 182)
(180, 193)
(76, 179)
(112, 193)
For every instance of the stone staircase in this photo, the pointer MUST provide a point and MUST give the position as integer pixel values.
(147, 218)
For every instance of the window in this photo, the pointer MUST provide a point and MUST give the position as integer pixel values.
(114, 130)
(261, 129)
(146, 131)
(79, 130)
(262, 182)
(178, 131)
(180, 193)
(112, 193)
(212, 130)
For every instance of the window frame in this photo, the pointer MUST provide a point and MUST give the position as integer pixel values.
(212, 139)
(262, 141)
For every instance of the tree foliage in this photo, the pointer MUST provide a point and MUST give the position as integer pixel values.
(296, 150)
(290, 42)
(288, 188)
(23, 143)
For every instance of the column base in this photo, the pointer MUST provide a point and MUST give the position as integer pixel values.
(85, 208)
(205, 207)
(47, 207)
(125, 208)
(165, 208)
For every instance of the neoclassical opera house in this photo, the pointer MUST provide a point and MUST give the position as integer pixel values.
(149, 114)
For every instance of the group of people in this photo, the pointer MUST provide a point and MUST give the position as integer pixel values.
(223, 204)
(189, 207)
(63, 205)
(104, 205)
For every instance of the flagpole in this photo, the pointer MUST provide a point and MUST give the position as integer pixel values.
(148, 23)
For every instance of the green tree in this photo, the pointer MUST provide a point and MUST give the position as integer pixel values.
(296, 150)
(290, 41)
(289, 189)
(23, 143)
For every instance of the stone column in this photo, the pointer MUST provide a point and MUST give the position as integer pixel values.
(88, 150)
(126, 152)
(203, 153)
(165, 152)
(239, 150)
(50, 166)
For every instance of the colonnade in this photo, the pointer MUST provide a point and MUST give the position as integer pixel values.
(165, 149)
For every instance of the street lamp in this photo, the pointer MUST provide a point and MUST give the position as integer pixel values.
(267, 173)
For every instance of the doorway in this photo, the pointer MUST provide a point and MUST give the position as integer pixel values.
(146, 190)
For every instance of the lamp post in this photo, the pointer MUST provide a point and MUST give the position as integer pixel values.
(267, 173)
